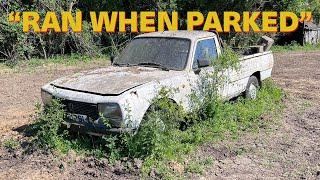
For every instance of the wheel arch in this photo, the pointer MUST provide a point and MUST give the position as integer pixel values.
(152, 104)
(258, 76)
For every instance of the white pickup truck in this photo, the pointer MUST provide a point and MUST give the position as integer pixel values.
(123, 92)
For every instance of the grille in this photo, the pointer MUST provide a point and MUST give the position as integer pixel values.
(88, 109)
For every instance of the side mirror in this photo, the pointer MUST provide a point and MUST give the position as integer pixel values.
(203, 63)
(112, 58)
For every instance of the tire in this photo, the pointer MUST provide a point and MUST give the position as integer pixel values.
(252, 88)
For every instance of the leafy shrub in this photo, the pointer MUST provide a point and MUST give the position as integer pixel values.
(163, 116)
(206, 96)
(47, 127)
(243, 39)
(14, 44)
(84, 43)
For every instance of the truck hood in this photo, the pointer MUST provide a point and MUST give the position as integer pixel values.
(112, 80)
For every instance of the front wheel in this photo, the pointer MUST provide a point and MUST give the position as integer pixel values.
(252, 88)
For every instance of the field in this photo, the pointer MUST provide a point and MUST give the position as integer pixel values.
(290, 148)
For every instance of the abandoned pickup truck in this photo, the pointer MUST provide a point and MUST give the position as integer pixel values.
(123, 92)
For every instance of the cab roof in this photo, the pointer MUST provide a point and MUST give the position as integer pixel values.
(192, 35)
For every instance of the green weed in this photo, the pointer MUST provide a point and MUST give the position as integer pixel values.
(199, 166)
(11, 144)
(63, 60)
(48, 126)
(294, 46)
(49, 133)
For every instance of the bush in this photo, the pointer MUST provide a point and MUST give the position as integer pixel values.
(14, 44)
(163, 116)
(47, 126)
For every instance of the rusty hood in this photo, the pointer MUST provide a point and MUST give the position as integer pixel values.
(112, 80)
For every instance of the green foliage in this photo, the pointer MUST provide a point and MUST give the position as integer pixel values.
(199, 166)
(14, 44)
(228, 59)
(49, 133)
(206, 96)
(296, 47)
(56, 62)
(148, 140)
(163, 117)
(11, 144)
(168, 111)
(112, 147)
(244, 39)
(47, 126)
(298, 6)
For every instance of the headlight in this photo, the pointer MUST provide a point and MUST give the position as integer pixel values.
(46, 97)
(112, 112)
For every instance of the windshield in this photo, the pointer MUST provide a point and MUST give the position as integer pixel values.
(169, 53)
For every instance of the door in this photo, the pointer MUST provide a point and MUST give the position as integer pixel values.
(205, 50)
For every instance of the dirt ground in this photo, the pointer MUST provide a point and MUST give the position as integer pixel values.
(290, 150)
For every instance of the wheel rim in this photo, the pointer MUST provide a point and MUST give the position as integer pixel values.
(253, 91)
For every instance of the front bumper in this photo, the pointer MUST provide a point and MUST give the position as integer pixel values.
(95, 131)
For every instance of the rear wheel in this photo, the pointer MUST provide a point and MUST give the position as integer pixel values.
(252, 88)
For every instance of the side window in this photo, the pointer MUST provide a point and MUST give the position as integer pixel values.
(205, 50)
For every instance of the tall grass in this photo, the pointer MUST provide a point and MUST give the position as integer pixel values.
(295, 47)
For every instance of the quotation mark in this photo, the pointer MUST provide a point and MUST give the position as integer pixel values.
(305, 16)
(15, 17)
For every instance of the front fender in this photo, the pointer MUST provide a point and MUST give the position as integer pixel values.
(136, 103)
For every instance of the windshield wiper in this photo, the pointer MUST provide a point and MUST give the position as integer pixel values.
(152, 64)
